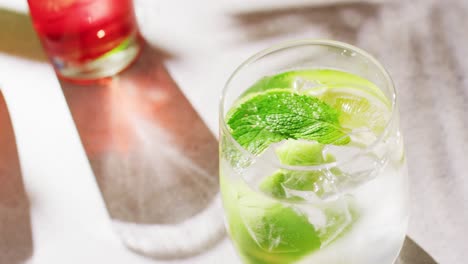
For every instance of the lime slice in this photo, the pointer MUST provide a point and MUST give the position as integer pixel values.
(298, 153)
(360, 102)
(264, 230)
(358, 108)
(278, 229)
(313, 77)
(284, 184)
(302, 153)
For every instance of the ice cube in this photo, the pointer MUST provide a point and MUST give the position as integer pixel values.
(301, 85)
(311, 186)
(338, 218)
(330, 219)
(259, 167)
(359, 161)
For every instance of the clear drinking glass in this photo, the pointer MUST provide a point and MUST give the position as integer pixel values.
(312, 164)
(86, 39)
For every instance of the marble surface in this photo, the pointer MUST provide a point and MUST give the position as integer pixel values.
(52, 210)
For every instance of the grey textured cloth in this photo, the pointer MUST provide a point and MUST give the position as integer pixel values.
(424, 45)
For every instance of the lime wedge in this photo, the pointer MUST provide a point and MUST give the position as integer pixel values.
(314, 77)
(283, 183)
(264, 230)
(298, 153)
(358, 108)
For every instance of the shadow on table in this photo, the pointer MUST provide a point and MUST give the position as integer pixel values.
(155, 160)
(414, 254)
(15, 225)
(18, 37)
(340, 21)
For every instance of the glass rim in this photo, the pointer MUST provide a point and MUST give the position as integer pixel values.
(309, 42)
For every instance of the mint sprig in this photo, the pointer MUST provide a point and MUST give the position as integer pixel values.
(277, 115)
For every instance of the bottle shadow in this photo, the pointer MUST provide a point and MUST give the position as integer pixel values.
(16, 244)
(154, 159)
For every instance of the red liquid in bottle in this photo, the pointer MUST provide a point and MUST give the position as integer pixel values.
(77, 31)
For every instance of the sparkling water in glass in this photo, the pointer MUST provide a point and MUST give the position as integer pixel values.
(312, 164)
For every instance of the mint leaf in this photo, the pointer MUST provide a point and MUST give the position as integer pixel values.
(277, 115)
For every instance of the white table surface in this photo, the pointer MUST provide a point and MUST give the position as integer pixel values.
(207, 41)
